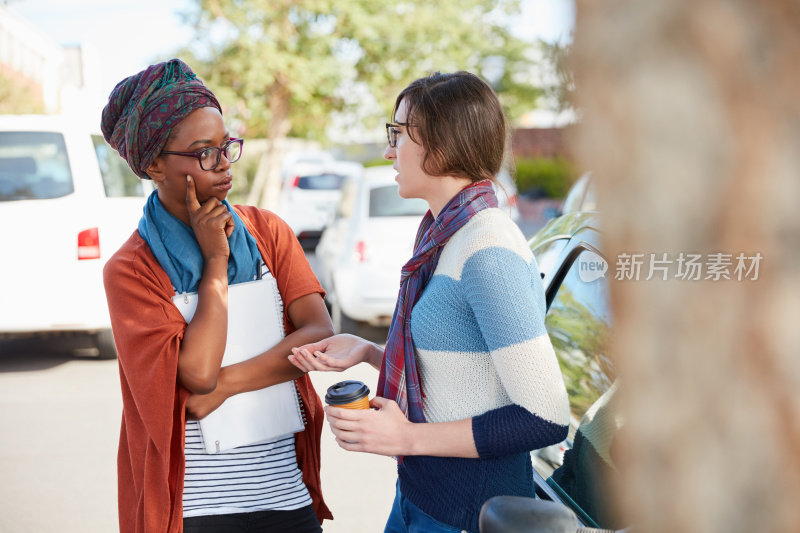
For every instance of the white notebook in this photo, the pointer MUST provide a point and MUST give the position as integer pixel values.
(255, 324)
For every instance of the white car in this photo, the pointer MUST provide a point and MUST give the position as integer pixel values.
(310, 193)
(506, 191)
(361, 253)
(581, 196)
(67, 203)
(294, 160)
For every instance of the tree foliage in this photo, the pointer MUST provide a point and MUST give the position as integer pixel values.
(283, 66)
(559, 56)
(303, 51)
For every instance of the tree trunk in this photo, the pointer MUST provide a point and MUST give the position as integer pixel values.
(691, 124)
(260, 179)
(274, 157)
(267, 181)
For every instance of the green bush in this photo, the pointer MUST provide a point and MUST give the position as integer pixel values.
(544, 176)
(377, 162)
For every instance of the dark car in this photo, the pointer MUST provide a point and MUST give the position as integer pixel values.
(575, 274)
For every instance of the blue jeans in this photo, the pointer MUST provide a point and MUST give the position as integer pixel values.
(408, 518)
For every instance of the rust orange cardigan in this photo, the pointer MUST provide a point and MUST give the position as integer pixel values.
(148, 329)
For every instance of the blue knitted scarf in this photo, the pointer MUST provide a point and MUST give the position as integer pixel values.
(177, 251)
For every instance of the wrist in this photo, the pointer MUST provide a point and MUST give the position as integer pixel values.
(215, 269)
(414, 439)
(373, 354)
(215, 262)
(225, 382)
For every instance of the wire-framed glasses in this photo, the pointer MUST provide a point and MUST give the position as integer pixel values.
(209, 157)
(392, 130)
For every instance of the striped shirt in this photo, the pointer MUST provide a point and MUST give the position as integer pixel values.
(262, 476)
(259, 477)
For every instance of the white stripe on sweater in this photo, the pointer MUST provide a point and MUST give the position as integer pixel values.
(462, 385)
(487, 229)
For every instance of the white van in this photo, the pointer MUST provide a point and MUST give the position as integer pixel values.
(67, 203)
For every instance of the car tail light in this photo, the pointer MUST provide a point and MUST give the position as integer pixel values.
(296, 182)
(89, 244)
(360, 252)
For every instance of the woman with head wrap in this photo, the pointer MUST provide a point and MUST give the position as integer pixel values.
(168, 126)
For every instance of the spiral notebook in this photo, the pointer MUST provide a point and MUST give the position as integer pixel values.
(255, 324)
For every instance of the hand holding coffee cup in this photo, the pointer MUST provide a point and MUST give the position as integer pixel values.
(377, 426)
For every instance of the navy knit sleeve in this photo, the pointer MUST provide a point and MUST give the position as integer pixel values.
(513, 429)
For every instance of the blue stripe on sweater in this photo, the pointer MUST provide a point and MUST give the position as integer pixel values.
(498, 302)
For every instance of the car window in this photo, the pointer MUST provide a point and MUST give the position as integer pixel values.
(385, 202)
(581, 196)
(118, 179)
(579, 324)
(33, 165)
(320, 182)
(589, 199)
(547, 254)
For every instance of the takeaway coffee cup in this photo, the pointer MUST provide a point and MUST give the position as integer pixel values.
(348, 394)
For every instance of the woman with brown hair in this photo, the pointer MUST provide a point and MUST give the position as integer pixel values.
(469, 383)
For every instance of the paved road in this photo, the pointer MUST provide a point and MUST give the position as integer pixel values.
(59, 422)
(59, 427)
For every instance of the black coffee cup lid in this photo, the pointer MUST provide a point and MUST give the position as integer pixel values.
(346, 392)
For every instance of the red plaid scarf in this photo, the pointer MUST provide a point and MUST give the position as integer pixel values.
(399, 379)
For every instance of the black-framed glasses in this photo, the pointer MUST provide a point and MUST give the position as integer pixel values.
(392, 131)
(209, 157)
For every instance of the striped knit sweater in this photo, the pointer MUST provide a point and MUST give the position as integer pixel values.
(483, 353)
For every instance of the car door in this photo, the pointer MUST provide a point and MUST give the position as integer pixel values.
(579, 323)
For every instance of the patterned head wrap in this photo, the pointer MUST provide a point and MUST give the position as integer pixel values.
(143, 108)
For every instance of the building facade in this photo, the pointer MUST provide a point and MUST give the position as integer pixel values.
(31, 60)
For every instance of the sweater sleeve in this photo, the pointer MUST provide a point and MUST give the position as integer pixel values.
(147, 330)
(505, 292)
